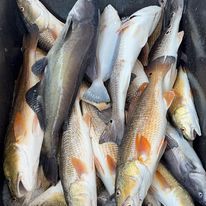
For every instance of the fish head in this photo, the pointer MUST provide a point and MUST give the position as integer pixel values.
(130, 187)
(198, 189)
(151, 15)
(80, 193)
(30, 10)
(185, 123)
(85, 10)
(16, 172)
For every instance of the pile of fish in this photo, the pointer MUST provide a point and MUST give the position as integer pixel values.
(105, 117)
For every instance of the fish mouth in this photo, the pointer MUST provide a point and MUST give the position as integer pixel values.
(21, 188)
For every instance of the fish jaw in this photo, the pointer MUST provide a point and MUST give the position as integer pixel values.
(130, 187)
(20, 180)
(186, 120)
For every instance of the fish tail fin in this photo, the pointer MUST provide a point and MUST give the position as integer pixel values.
(113, 132)
(50, 168)
(97, 93)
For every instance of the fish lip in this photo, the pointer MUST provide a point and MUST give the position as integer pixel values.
(21, 189)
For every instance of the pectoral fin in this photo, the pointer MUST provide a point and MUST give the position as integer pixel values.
(169, 97)
(39, 66)
(34, 100)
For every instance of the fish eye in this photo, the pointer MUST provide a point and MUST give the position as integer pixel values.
(183, 129)
(118, 193)
(200, 194)
(22, 8)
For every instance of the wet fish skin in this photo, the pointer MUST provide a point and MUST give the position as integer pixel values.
(143, 143)
(51, 197)
(168, 43)
(182, 161)
(77, 170)
(183, 110)
(150, 200)
(105, 155)
(167, 190)
(107, 46)
(132, 39)
(63, 70)
(138, 78)
(24, 136)
(34, 12)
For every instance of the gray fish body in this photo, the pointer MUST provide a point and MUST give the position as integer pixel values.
(66, 63)
(185, 165)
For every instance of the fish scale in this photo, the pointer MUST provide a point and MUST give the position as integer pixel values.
(102, 151)
(143, 142)
(77, 165)
(167, 190)
(24, 136)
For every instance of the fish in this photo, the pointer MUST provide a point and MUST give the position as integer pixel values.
(150, 200)
(184, 164)
(34, 12)
(51, 197)
(167, 190)
(132, 40)
(24, 136)
(195, 52)
(168, 43)
(63, 69)
(138, 78)
(105, 155)
(183, 110)
(77, 170)
(144, 141)
(107, 47)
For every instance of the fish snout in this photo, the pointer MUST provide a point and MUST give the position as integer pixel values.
(21, 188)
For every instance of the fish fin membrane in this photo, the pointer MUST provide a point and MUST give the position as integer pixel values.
(169, 97)
(97, 93)
(34, 101)
(50, 168)
(39, 66)
(113, 133)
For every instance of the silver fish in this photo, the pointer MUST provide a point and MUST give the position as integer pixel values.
(77, 170)
(107, 45)
(63, 70)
